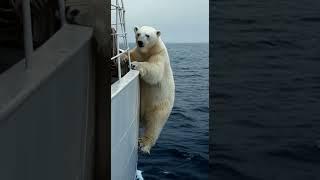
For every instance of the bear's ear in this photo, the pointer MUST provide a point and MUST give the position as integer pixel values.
(158, 33)
(136, 28)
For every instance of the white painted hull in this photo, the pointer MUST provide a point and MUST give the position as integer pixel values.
(125, 102)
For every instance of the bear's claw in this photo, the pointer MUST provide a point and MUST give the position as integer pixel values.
(133, 66)
(144, 145)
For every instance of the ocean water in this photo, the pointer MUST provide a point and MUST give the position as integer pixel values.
(182, 150)
(266, 90)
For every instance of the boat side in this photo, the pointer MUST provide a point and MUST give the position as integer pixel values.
(125, 103)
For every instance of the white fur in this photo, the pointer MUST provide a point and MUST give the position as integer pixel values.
(156, 84)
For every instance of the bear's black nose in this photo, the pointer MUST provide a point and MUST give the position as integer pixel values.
(140, 43)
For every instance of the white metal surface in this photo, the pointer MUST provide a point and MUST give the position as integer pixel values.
(125, 103)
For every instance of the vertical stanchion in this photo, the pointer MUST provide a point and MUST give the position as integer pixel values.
(117, 34)
(27, 31)
(125, 31)
(62, 12)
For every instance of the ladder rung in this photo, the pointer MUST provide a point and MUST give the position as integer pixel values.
(118, 55)
(117, 7)
(116, 24)
(119, 34)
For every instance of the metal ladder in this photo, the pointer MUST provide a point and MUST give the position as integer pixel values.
(118, 24)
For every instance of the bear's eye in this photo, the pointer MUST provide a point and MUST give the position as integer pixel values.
(138, 34)
(147, 36)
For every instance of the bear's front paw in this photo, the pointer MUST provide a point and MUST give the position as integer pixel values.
(137, 66)
(145, 144)
(124, 58)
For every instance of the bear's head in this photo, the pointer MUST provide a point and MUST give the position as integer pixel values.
(146, 38)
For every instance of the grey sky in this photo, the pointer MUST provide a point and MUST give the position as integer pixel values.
(178, 20)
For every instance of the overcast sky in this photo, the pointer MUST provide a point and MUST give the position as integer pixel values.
(178, 20)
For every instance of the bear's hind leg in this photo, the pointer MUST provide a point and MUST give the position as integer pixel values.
(154, 122)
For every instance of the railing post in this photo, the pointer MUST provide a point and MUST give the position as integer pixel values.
(62, 12)
(125, 31)
(27, 30)
(117, 30)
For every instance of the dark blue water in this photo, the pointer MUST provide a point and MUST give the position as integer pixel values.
(266, 90)
(182, 149)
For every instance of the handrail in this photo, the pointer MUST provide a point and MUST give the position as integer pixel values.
(123, 52)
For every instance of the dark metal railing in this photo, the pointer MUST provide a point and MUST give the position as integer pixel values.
(27, 28)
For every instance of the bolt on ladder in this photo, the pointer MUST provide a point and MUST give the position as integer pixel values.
(118, 24)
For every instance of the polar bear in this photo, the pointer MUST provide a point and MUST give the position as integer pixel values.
(157, 89)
